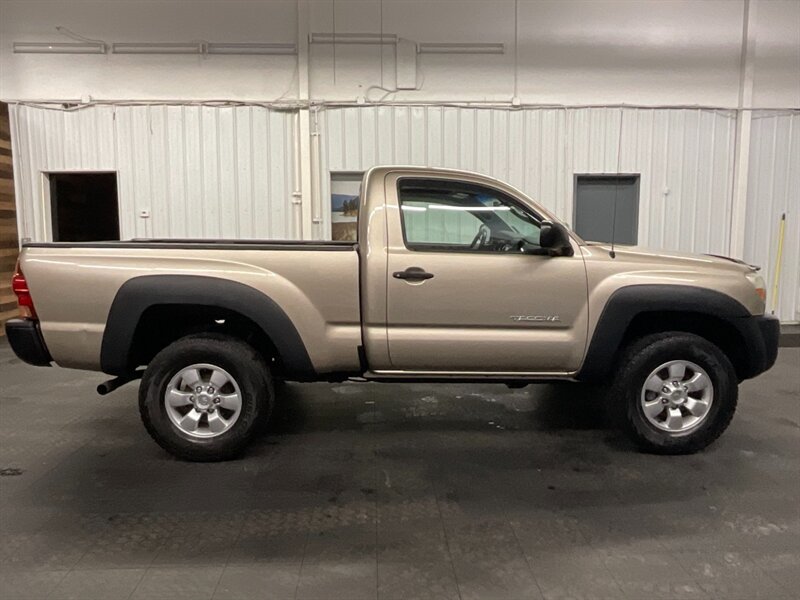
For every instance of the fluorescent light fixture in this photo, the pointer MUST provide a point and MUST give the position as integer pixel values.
(477, 48)
(59, 48)
(214, 48)
(157, 48)
(352, 38)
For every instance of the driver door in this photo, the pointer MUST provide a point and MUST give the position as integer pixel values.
(461, 295)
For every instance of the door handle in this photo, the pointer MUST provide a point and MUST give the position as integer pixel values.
(412, 274)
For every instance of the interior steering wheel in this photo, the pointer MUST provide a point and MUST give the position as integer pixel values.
(483, 237)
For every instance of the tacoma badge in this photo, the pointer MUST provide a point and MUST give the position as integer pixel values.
(548, 318)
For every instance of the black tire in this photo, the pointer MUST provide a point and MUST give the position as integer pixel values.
(236, 357)
(645, 355)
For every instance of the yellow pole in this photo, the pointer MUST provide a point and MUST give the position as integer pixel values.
(778, 258)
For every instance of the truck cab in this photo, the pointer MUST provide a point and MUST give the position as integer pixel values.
(464, 268)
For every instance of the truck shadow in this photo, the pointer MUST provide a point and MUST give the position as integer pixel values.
(401, 407)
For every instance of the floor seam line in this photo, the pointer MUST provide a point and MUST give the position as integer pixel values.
(524, 554)
(447, 543)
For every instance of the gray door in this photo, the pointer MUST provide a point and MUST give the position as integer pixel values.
(595, 196)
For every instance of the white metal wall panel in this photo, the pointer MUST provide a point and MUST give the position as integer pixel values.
(774, 189)
(207, 171)
(200, 171)
(684, 156)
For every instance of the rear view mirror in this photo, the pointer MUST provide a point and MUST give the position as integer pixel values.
(555, 239)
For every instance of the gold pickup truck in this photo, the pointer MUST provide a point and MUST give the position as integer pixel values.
(455, 277)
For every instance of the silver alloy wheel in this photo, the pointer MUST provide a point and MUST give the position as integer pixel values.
(203, 400)
(677, 396)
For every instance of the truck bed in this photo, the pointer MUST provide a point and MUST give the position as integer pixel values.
(315, 283)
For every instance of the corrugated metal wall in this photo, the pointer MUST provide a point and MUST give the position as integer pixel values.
(210, 171)
(685, 157)
(774, 189)
(200, 171)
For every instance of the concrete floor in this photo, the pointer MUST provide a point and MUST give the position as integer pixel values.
(395, 491)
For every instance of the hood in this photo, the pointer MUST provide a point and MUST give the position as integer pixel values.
(676, 257)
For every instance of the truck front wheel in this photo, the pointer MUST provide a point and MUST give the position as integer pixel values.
(674, 392)
(203, 397)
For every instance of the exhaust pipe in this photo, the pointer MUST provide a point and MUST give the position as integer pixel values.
(109, 386)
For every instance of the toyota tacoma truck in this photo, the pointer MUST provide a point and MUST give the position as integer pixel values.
(454, 277)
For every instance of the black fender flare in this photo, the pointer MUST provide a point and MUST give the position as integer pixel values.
(136, 295)
(628, 302)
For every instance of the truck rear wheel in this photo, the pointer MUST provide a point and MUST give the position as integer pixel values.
(204, 396)
(674, 393)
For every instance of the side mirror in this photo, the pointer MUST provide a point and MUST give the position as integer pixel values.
(555, 239)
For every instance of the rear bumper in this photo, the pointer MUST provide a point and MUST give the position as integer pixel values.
(761, 336)
(26, 341)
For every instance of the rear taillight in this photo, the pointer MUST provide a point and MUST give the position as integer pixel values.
(20, 287)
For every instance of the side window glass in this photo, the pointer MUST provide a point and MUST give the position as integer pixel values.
(458, 217)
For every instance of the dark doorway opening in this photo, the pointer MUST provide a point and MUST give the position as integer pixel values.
(84, 207)
(595, 199)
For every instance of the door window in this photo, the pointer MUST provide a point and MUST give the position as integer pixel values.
(460, 217)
